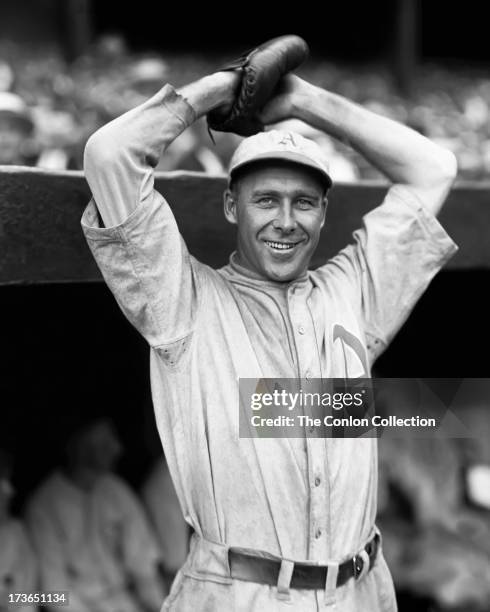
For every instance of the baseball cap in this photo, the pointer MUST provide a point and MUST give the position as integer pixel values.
(282, 145)
(14, 107)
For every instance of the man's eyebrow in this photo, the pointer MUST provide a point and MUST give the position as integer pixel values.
(261, 192)
(308, 194)
(276, 192)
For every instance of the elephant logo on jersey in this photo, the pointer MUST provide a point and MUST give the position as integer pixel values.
(349, 351)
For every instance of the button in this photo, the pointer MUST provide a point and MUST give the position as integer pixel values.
(318, 533)
(317, 481)
(311, 429)
(301, 330)
(308, 375)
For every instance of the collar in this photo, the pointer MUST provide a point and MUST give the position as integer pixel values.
(236, 272)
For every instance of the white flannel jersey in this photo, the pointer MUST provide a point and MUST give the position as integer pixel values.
(19, 570)
(302, 499)
(93, 544)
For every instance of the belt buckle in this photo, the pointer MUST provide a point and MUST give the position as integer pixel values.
(357, 564)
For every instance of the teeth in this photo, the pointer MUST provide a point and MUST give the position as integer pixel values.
(280, 245)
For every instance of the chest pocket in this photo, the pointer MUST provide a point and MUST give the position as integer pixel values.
(172, 353)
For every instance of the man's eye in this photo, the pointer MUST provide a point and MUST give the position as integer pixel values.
(304, 203)
(266, 201)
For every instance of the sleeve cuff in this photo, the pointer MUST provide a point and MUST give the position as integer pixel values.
(177, 105)
(93, 231)
(438, 235)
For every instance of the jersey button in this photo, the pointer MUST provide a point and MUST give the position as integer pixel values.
(301, 329)
(318, 533)
(317, 481)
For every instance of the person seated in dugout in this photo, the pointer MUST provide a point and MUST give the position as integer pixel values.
(280, 523)
(163, 507)
(437, 546)
(18, 563)
(90, 530)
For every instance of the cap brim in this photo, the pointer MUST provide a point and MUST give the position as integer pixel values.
(287, 156)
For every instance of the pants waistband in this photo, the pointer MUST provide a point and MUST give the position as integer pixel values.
(209, 560)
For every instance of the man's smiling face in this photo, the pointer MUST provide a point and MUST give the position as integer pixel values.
(279, 208)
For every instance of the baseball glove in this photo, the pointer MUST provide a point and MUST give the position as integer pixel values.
(261, 69)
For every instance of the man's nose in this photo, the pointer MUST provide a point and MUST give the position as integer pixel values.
(285, 220)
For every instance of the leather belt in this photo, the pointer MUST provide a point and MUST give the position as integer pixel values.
(263, 570)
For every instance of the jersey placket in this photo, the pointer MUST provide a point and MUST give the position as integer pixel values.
(309, 368)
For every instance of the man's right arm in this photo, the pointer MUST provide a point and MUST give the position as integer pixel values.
(121, 156)
(138, 248)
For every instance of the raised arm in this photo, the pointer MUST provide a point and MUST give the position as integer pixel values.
(121, 156)
(138, 246)
(401, 154)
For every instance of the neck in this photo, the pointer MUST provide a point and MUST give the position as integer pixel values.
(242, 266)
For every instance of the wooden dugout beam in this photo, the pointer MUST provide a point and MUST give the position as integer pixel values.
(41, 240)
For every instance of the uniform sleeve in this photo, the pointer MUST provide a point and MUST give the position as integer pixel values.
(396, 253)
(140, 549)
(138, 247)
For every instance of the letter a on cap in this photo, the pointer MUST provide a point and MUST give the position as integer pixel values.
(287, 139)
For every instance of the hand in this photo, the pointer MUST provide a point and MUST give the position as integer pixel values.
(217, 89)
(285, 102)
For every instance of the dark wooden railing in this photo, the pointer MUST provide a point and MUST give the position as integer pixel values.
(41, 239)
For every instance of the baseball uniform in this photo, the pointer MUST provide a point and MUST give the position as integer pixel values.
(93, 544)
(163, 507)
(302, 499)
(18, 566)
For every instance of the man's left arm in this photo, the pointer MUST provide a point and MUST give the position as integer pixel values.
(403, 155)
(401, 245)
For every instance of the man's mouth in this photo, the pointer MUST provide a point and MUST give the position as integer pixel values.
(281, 246)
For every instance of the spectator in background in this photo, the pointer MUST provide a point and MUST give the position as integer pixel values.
(37, 136)
(145, 77)
(7, 77)
(16, 130)
(162, 504)
(18, 564)
(90, 531)
(476, 457)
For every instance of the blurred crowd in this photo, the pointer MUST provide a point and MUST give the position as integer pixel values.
(49, 108)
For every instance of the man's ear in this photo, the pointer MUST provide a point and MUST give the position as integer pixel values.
(229, 207)
(324, 206)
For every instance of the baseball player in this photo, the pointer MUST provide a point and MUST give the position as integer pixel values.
(280, 524)
(19, 567)
(89, 530)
